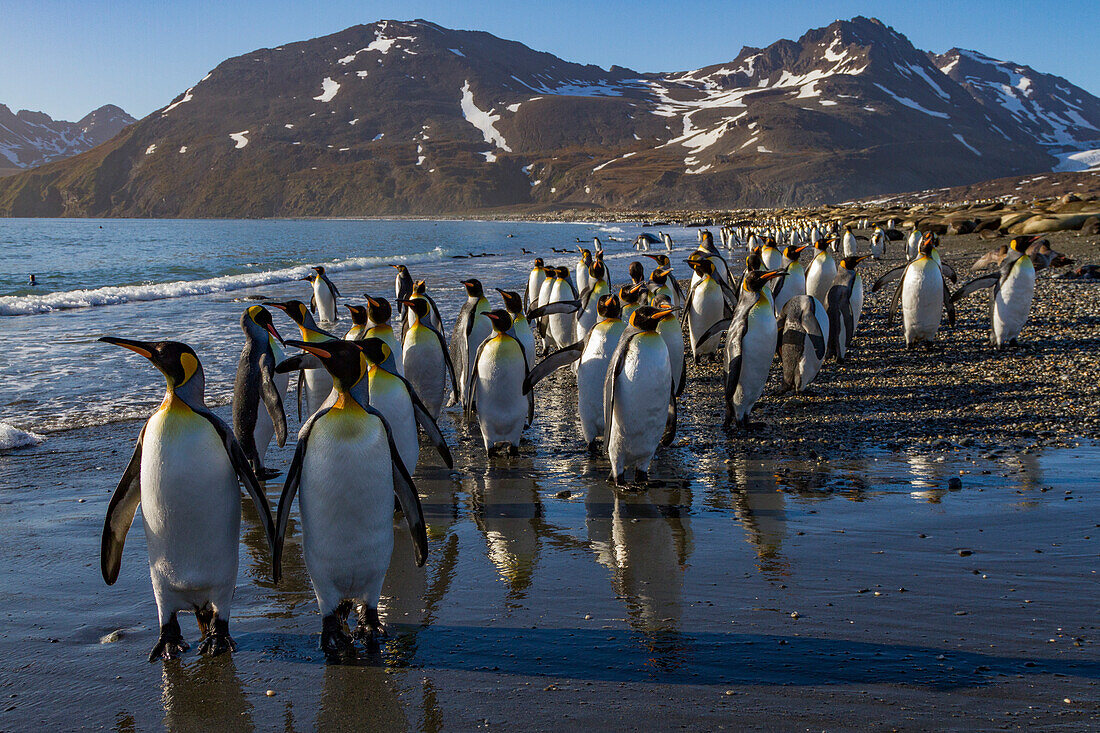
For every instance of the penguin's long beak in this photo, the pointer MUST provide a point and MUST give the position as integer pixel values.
(374, 303)
(409, 303)
(311, 348)
(396, 267)
(144, 348)
(798, 250)
(270, 328)
(772, 274)
(308, 278)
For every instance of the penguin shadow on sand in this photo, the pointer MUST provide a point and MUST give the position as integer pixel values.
(645, 542)
(359, 697)
(204, 694)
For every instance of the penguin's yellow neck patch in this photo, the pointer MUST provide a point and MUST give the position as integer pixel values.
(173, 404)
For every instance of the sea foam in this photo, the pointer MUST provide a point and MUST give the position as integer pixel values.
(13, 437)
(22, 305)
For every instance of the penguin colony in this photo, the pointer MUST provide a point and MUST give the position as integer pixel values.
(363, 399)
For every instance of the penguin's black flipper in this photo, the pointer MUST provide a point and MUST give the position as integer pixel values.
(670, 421)
(813, 330)
(301, 389)
(717, 328)
(470, 403)
(683, 373)
(407, 496)
(248, 478)
(727, 292)
(313, 303)
(562, 306)
(297, 363)
(273, 401)
(290, 488)
(889, 276)
(948, 270)
(614, 368)
(895, 305)
(676, 286)
(435, 311)
(331, 286)
(446, 356)
(973, 286)
(849, 323)
(551, 363)
(687, 303)
(431, 428)
(120, 515)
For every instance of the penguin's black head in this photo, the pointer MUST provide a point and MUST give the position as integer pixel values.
(631, 294)
(706, 238)
(849, 263)
(358, 314)
(927, 244)
(586, 256)
(822, 244)
(473, 288)
(1020, 244)
(296, 310)
(701, 265)
(753, 261)
(400, 268)
(636, 271)
(177, 361)
(318, 269)
(420, 287)
(661, 260)
(539, 264)
(500, 319)
(512, 301)
(660, 275)
(755, 280)
(419, 306)
(792, 253)
(344, 360)
(609, 306)
(647, 318)
(376, 349)
(597, 270)
(261, 317)
(378, 309)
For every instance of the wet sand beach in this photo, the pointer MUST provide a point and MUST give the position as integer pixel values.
(825, 572)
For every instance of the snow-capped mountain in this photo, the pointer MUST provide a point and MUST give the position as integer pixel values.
(413, 118)
(28, 139)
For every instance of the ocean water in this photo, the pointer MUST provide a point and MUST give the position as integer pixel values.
(191, 280)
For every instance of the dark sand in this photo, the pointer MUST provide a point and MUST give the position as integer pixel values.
(818, 574)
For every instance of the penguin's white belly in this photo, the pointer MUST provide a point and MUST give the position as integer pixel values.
(772, 258)
(526, 337)
(501, 405)
(591, 373)
(318, 386)
(850, 247)
(325, 302)
(673, 336)
(856, 300)
(794, 284)
(425, 368)
(757, 350)
(346, 504)
(640, 408)
(534, 286)
(560, 325)
(707, 308)
(191, 509)
(820, 276)
(921, 301)
(389, 397)
(1012, 303)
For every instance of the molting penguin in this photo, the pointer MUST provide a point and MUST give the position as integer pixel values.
(803, 328)
(314, 385)
(257, 382)
(878, 243)
(635, 411)
(184, 473)
(495, 385)
(347, 469)
(323, 302)
(426, 359)
(1013, 290)
(821, 272)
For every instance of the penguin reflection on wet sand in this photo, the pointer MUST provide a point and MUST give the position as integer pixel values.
(184, 473)
(347, 468)
(257, 382)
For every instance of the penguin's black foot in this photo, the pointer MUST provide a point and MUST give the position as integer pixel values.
(808, 392)
(218, 641)
(513, 450)
(370, 629)
(641, 478)
(265, 474)
(205, 617)
(336, 643)
(615, 480)
(170, 644)
(593, 447)
(756, 425)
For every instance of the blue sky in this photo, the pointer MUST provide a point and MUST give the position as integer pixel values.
(66, 58)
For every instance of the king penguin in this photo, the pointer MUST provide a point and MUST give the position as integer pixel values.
(750, 346)
(598, 287)
(637, 395)
(821, 272)
(705, 306)
(402, 288)
(922, 294)
(323, 302)
(1013, 291)
(347, 469)
(314, 385)
(794, 284)
(495, 386)
(534, 284)
(844, 303)
(360, 323)
(470, 329)
(420, 291)
(803, 328)
(427, 360)
(257, 382)
(184, 473)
